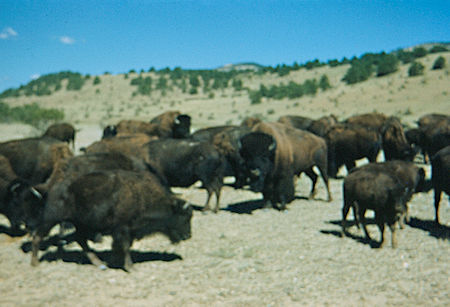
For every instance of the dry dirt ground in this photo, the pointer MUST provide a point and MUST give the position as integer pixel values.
(244, 256)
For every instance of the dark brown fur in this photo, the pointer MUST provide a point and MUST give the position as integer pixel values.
(440, 177)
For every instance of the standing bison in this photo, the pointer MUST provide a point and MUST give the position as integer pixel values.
(378, 191)
(33, 159)
(440, 177)
(181, 163)
(275, 153)
(348, 143)
(64, 132)
(124, 204)
(395, 144)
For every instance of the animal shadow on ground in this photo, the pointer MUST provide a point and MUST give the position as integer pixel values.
(359, 238)
(80, 258)
(246, 207)
(434, 230)
(12, 233)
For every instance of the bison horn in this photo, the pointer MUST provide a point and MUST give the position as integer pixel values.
(186, 206)
(255, 172)
(36, 193)
(14, 187)
(272, 146)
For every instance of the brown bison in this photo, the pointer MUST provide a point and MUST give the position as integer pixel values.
(322, 125)
(226, 141)
(348, 143)
(128, 144)
(435, 130)
(33, 159)
(440, 177)
(293, 152)
(171, 124)
(182, 162)
(124, 204)
(395, 145)
(8, 179)
(295, 121)
(63, 131)
(250, 121)
(408, 174)
(378, 191)
(372, 120)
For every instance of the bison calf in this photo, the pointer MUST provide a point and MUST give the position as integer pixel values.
(124, 204)
(377, 191)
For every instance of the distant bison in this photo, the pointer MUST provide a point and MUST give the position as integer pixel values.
(64, 132)
(296, 121)
(182, 162)
(440, 177)
(127, 205)
(171, 124)
(290, 153)
(372, 120)
(378, 191)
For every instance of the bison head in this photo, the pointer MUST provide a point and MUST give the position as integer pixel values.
(258, 151)
(179, 226)
(181, 126)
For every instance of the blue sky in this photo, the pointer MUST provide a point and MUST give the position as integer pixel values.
(93, 37)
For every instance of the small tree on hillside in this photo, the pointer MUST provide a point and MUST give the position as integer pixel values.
(439, 63)
(416, 69)
(387, 65)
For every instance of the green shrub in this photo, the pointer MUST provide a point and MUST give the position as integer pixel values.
(416, 69)
(439, 63)
(438, 48)
(255, 97)
(358, 72)
(324, 83)
(96, 80)
(30, 114)
(420, 52)
(388, 63)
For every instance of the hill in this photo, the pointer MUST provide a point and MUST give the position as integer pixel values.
(224, 97)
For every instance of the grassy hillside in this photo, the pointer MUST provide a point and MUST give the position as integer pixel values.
(108, 98)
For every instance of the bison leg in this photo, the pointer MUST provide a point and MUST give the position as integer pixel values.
(345, 209)
(349, 165)
(313, 176)
(362, 219)
(393, 235)
(437, 200)
(325, 180)
(121, 249)
(208, 198)
(89, 253)
(217, 191)
(38, 235)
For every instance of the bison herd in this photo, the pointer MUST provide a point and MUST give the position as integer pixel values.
(121, 185)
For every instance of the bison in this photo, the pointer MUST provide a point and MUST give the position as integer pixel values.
(348, 143)
(322, 125)
(435, 130)
(183, 162)
(408, 174)
(226, 141)
(124, 204)
(171, 124)
(295, 121)
(33, 159)
(63, 131)
(290, 153)
(440, 177)
(395, 145)
(378, 191)
(372, 120)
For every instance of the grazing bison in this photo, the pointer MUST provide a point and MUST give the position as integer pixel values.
(348, 143)
(299, 122)
(395, 145)
(226, 141)
(440, 176)
(126, 205)
(183, 162)
(378, 191)
(33, 159)
(372, 120)
(295, 151)
(64, 132)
